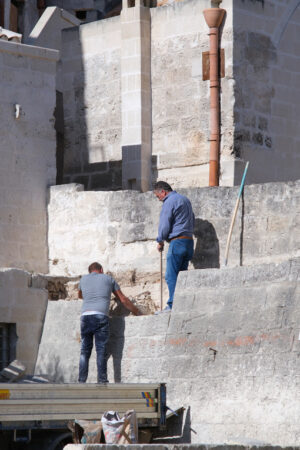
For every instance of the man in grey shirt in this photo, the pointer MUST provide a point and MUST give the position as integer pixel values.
(95, 289)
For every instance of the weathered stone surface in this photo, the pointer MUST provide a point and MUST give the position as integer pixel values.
(180, 112)
(27, 151)
(119, 230)
(91, 64)
(262, 94)
(228, 351)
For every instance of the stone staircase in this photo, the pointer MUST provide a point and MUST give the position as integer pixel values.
(229, 352)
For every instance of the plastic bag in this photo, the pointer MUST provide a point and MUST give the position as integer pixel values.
(91, 431)
(120, 431)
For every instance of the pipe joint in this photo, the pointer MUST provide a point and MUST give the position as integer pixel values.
(214, 17)
(213, 32)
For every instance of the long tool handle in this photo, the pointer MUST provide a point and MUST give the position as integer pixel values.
(235, 213)
(161, 280)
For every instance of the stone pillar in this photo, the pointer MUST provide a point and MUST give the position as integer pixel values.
(136, 96)
(6, 14)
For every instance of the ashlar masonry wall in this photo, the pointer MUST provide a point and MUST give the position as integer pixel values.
(228, 352)
(180, 97)
(91, 62)
(119, 230)
(27, 150)
(91, 68)
(259, 95)
(267, 88)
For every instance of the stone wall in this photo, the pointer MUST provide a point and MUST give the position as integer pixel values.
(91, 63)
(27, 153)
(267, 89)
(24, 303)
(228, 352)
(180, 97)
(119, 229)
(259, 95)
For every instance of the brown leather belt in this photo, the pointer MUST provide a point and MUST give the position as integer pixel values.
(181, 237)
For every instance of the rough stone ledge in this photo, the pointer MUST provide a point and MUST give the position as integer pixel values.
(29, 50)
(22, 278)
(239, 276)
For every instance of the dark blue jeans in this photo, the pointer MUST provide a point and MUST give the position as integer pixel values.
(94, 325)
(179, 254)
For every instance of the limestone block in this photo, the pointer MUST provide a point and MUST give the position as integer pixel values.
(244, 357)
(198, 176)
(14, 277)
(213, 209)
(12, 372)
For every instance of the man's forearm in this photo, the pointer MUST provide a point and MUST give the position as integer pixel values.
(127, 303)
(164, 226)
(131, 307)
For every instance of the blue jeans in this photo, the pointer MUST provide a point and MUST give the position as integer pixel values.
(179, 254)
(94, 325)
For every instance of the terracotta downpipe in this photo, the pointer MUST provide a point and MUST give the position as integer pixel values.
(214, 17)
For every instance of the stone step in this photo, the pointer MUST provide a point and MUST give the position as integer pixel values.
(228, 352)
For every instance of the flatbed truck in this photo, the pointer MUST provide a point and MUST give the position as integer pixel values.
(35, 416)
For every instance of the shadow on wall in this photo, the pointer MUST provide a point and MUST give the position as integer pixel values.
(89, 119)
(154, 170)
(178, 429)
(266, 109)
(54, 370)
(207, 252)
(71, 123)
(116, 345)
(101, 176)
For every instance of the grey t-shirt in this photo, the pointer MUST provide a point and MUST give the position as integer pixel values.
(96, 291)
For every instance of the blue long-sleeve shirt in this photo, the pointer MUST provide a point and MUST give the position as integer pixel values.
(176, 217)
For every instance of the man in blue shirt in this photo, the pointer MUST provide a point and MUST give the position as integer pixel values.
(95, 289)
(176, 226)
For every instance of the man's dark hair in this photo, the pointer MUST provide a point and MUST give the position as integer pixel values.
(94, 266)
(162, 185)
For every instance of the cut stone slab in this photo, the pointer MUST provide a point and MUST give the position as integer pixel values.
(13, 372)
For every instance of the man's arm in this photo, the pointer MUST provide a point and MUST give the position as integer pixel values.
(79, 293)
(165, 225)
(127, 303)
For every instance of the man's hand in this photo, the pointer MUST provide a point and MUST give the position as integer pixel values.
(160, 246)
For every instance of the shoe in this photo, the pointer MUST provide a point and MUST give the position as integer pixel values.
(165, 310)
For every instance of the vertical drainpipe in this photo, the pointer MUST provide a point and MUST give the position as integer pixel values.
(213, 18)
